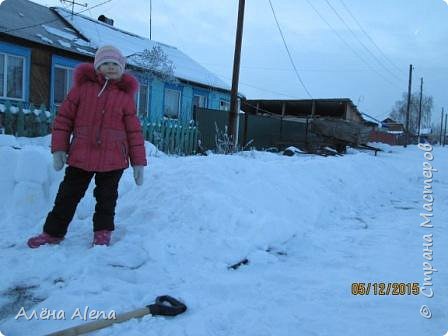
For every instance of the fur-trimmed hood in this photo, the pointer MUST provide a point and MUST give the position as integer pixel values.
(86, 72)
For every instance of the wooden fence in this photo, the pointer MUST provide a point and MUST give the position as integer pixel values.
(25, 122)
(255, 131)
(169, 136)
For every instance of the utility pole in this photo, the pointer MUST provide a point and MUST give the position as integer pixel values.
(233, 113)
(420, 108)
(406, 139)
(444, 133)
(441, 128)
(150, 19)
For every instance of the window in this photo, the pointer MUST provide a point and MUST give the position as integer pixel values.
(62, 83)
(143, 100)
(2, 73)
(172, 103)
(224, 105)
(62, 70)
(199, 101)
(12, 76)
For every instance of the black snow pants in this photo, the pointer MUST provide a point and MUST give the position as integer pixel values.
(72, 190)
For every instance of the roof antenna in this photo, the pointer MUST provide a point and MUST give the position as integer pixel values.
(150, 19)
(73, 3)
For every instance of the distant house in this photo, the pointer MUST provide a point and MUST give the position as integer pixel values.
(40, 47)
(391, 126)
(390, 132)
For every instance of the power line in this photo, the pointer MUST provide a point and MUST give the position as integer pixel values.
(287, 69)
(370, 38)
(270, 91)
(258, 88)
(53, 20)
(360, 42)
(348, 45)
(289, 54)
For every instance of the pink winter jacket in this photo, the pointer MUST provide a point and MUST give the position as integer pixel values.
(102, 117)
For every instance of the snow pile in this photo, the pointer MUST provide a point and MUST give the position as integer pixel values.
(309, 227)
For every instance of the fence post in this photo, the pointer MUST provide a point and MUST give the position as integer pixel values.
(187, 140)
(42, 123)
(8, 120)
(170, 139)
(178, 144)
(43, 108)
(195, 141)
(190, 139)
(166, 139)
(183, 147)
(161, 142)
(20, 122)
(34, 122)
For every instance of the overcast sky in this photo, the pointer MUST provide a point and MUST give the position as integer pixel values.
(341, 48)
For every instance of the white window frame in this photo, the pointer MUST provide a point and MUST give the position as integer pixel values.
(224, 105)
(147, 99)
(5, 77)
(205, 100)
(67, 83)
(179, 95)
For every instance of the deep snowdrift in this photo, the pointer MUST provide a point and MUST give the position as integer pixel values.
(309, 226)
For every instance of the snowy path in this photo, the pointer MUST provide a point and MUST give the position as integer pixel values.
(310, 226)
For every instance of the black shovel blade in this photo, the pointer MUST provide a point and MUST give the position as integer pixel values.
(167, 306)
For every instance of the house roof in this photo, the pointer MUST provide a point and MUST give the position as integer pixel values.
(326, 106)
(394, 127)
(33, 22)
(80, 34)
(99, 33)
(389, 121)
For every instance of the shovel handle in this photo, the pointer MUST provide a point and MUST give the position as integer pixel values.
(100, 324)
(165, 305)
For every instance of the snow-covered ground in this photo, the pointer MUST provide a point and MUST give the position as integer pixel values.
(310, 227)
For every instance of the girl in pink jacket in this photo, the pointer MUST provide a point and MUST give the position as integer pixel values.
(100, 114)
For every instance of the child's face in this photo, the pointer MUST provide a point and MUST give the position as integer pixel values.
(110, 70)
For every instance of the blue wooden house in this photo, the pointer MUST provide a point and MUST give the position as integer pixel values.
(40, 47)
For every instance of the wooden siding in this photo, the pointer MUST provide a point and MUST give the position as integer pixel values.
(40, 76)
(186, 113)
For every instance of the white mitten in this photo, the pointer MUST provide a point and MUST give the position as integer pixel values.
(138, 174)
(59, 160)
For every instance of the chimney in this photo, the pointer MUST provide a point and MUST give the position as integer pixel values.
(105, 19)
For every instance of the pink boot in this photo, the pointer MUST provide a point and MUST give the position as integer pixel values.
(102, 237)
(42, 239)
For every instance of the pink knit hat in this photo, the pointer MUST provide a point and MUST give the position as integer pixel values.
(109, 53)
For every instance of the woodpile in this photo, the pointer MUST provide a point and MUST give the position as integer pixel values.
(353, 133)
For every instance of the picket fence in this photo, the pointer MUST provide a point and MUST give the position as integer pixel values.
(171, 136)
(168, 135)
(25, 121)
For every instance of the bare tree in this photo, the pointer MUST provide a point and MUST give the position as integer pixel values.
(399, 111)
(155, 62)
